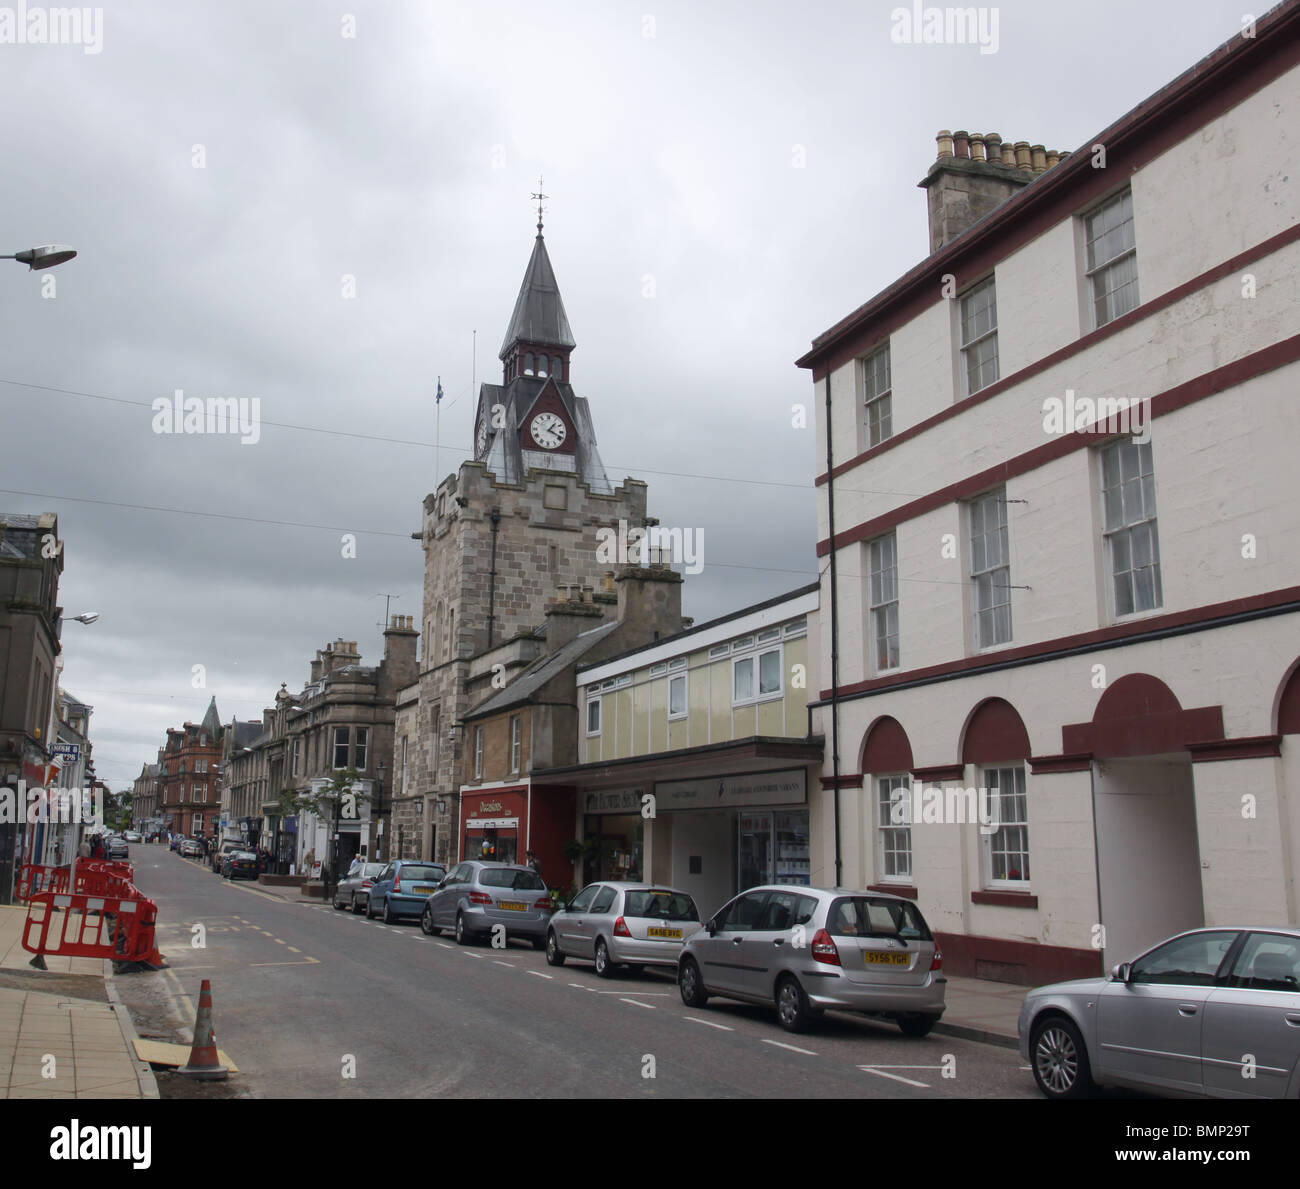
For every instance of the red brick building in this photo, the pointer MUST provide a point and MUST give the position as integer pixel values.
(189, 797)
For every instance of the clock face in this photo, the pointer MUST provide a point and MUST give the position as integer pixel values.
(548, 431)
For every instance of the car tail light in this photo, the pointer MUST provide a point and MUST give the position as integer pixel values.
(367, 883)
(479, 898)
(936, 963)
(621, 929)
(397, 882)
(823, 949)
(543, 905)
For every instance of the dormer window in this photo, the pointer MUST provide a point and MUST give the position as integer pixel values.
(528, 364)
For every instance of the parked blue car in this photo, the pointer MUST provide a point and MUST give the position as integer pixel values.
(401, 889)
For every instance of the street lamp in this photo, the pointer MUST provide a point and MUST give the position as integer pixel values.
(46, 256)
(86, 617)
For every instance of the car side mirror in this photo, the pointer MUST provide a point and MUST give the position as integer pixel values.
(1122, 973)
(711, 926)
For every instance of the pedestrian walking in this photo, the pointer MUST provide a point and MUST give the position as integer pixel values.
(533, 863)
(83, 851)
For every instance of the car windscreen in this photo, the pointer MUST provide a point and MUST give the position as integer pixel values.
(414, 871)
(873, 916)
(506, 877)
(661, 906)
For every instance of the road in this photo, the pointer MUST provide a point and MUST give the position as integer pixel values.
(315, 1003)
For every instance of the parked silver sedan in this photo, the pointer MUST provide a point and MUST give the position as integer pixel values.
(804, 950)
(482, 899)
(1210, 1013)
(354, 888)
(618, 923)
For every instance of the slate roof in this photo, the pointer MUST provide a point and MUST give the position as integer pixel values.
(542, 670)
(20, 536)
(539, 315)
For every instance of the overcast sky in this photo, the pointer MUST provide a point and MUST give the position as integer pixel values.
(727, 180)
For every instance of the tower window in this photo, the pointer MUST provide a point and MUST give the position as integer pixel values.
(528, 364)
(541, 365)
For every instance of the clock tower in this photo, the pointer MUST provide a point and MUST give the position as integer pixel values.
(534, 419)
(521, 519)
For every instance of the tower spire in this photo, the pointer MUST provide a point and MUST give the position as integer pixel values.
(538, 197)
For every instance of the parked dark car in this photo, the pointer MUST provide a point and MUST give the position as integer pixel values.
(239, 864)
(175, 842)
(401, 889)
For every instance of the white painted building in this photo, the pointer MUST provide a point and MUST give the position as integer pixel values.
(1101, 622)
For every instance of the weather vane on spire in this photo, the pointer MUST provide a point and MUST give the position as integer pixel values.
(538, 197)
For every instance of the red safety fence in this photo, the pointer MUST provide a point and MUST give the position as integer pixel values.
(104, 916)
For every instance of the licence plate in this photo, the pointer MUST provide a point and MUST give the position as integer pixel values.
(666, 934)
(513, 906)
(873, 958)
(422, 889)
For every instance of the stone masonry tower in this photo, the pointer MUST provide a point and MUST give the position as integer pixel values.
(517, 521)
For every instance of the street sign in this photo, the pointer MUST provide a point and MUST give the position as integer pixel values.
(73, 750)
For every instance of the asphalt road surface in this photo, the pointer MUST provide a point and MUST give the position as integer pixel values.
(311, 1002)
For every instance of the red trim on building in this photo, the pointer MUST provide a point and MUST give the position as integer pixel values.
(1005, 899)
(894, 889)
(1139, 715)
(1081, 641)
(1246, 747)
(938, 773)
(1027, 963)
(847, 781)
(1288, 706)
(1230, 375)
(887, 748)
(1045, 765)
(995, 733)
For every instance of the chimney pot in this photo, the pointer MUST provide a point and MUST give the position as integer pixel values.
(977, 146)
(961, 144)
(1008, 154)
(944, 140)
(1053, 158)
(1022, 154)
(1039, 158)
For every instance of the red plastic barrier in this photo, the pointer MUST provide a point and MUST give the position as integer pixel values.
(33, 878)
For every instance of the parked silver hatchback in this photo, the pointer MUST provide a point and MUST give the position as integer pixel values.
(805, 950)
(480, 899)
(619, 923)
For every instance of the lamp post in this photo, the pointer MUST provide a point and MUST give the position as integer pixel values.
(46, 256)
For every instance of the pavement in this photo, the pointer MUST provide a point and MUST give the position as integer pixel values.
(64, 1032)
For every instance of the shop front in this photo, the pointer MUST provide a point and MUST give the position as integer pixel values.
(712, 834)
(494, 827)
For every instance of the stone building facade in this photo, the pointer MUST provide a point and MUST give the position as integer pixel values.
(189, 799)
(499, 536)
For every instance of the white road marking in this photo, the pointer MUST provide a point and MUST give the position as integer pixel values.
(539, 974)
(780, 1044)
(880, 1073)
(643, 994)
(580, 986)
(445, 944)
(498, 962)
(470, 955)
(307, 962)
(709, 1023)
(293, 949)
(279, 942)
(636, 1003)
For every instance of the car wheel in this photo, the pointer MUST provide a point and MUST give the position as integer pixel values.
(792, 1005)
(916, 1025)
(554, 955)
(337, 904)
(464, 936)
(604, 967)
(370, 908)
(691, 984)
(1060, 1059)
(356, 904)
(427, 927)
(389, 918)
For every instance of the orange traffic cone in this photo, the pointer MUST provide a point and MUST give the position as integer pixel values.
(204, 1064)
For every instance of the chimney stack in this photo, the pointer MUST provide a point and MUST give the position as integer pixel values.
(973, 174)
(570, 614)
(399, 667)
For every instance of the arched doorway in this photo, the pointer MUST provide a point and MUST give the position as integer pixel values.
(1144, 812)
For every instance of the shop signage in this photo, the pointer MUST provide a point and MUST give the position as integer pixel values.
(614, 801)
(492, 823)
(489, 807)
(71, 750)
(720, 792)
